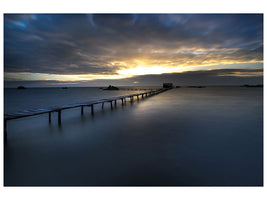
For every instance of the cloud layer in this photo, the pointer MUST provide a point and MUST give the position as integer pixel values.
(203, 77)
(105, 44)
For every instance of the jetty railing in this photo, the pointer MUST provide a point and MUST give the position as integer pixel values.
(32, 112)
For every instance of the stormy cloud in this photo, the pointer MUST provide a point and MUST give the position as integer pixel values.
(103, 44)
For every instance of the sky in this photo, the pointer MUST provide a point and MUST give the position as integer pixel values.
(43, 50)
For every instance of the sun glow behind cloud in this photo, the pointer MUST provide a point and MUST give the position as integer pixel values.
(132, 71)
(110, 47)
(144, 70)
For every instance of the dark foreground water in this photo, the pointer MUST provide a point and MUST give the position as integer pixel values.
(183, 137)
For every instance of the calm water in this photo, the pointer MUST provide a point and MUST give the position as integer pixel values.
(31, 98)
(182, 137)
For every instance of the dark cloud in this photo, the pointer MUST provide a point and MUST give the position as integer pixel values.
(87, 44)
(208, 77)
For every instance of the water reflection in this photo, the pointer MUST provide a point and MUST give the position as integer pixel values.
(185, 136)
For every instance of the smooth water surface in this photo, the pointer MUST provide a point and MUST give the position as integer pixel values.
(183, 137)
(31, 98)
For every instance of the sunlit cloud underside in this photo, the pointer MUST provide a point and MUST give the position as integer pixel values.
(134, 71)
(113, 47)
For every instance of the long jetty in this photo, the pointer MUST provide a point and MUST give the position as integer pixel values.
(33, 112)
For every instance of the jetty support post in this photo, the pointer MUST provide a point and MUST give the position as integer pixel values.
(103, 105)
(59, 117)
(137, 97)
(121, 101)
(81, 110)
(111, 104)
(5, 130)
(92, 109)
(115, 103)
(49, 117)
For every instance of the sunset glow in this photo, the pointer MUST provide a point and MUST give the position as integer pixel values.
(143, 70)
(108, 48)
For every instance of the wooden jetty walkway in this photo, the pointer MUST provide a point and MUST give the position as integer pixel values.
(32, 112)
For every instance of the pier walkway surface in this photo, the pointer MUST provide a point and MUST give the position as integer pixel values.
(209, 136)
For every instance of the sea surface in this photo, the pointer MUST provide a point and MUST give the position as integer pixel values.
(16, 100)
(209, 136)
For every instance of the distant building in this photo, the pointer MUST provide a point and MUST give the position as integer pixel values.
(167, 85)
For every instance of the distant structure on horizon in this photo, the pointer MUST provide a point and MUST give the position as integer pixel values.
(167, 85)
(21, 87)
(110, 87)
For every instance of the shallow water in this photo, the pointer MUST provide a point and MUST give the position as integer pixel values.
(183, 137)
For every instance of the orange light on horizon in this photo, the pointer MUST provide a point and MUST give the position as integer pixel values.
(128, 70)
(145, 70)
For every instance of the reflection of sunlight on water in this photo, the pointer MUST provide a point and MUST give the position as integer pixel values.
(184, 136)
